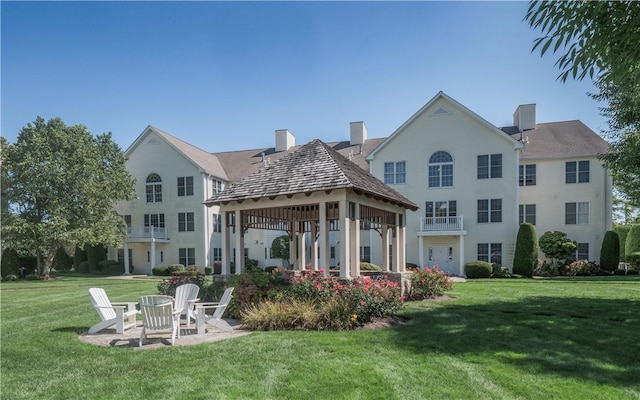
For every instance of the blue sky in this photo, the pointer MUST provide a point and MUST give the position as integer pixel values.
(224, 75)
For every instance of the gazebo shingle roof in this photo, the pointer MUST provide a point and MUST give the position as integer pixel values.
(311, 168)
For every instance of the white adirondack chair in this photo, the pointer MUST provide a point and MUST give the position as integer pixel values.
(186, 296)
(216, 319)
(158, 314)
(122, 315)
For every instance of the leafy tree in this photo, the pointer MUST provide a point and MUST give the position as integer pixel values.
(557, 246)
(280, 248)
(525, 258)
(632, 246)
(61, 186)
(600, 39)
(595, 36)
(610, 251)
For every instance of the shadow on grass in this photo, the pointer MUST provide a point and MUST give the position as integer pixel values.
(71, 329)
(573, 337)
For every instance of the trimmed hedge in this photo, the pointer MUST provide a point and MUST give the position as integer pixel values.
(478, 269)
(525, 258)
(622, 231)
(365, 266)
(610, 251)
(632, 246)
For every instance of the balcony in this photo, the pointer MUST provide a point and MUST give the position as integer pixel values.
(441, 225)
(147, 234)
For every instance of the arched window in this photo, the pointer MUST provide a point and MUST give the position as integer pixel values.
(154, 188)
(440, 170)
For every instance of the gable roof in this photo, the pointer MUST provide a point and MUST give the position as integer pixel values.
(442, 95)
(311, 168)
(203, 160)
(565, 139)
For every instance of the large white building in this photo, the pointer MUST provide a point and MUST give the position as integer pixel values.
(474, 184)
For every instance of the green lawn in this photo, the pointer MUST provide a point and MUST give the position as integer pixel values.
(514, 339)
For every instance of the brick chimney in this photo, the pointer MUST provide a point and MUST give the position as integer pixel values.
(284, 140)
(525, 117)
(358, 132)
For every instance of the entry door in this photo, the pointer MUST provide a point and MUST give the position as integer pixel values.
(442, 256)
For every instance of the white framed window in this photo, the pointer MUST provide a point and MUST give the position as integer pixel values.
(216, 186)
(490, 252)
(577, 171)
(490, 166)
(582, 252)
(444, 208)
(489, 210)
(187, 256)
(153, 188)
(217, 223)
(527, 213)
(127, 220)
(217, 254)
(186, 222)
(527, 175)
(440, 170)
(395, 172)
(332, 252)
(156, 220)
(576, 213)
(185, 186)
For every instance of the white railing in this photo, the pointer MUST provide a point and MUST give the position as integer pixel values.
(149, 232)
(430, 224)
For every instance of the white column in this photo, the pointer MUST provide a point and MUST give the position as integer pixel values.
(421, 251)
(126, 259)
(395, 251)
(345, 254)
(324, 239)
(225, 241)
(402, 255)
(314, 246)
(153, 254)
(385, 248)
(239, 244)
(302, 247)
(461, 255)
(355, 242)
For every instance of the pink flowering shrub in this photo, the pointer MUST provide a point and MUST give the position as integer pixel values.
(581, 268)
(429, 282)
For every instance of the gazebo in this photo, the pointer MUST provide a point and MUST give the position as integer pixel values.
(308, 193)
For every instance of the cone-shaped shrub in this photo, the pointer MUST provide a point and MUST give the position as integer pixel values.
(610, 251)
(632, 246)
(622, 231)
(525, 258)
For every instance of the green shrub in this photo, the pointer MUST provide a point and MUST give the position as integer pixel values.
(525, 258)
(160, 270)
(10, 262)
(83, 267)
(498, 271)
(365, 266)
(632, 246)
(557, 246)
(411, 266)
(250, 264)
(10, 278)
(251, 287)
(32, 277)
(582, 268)
(622, 231)
(168, 286)
(208, 270)
(111, 267)
(270, 269)
(62, 261)
(427, 283)
(282, 315)
(478, 269)
(610, 251)
(173, 268)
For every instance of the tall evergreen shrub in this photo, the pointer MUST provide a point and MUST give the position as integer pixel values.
(610, 251)
(632, 246)
(525, 258)
(622, 231)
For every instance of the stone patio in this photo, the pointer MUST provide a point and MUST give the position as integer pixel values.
(159, 339)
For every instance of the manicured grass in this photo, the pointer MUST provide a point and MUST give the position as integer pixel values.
(529, 339)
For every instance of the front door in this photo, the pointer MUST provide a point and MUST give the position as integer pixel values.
(442, 256)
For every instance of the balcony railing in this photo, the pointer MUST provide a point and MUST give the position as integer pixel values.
(149, 232)
(434, 224)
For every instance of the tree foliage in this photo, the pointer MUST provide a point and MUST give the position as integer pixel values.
(610, 251)
(525, 258)
(280, 247)
(592, 36)
(557, 246)
(61, 186)
(632, 246)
